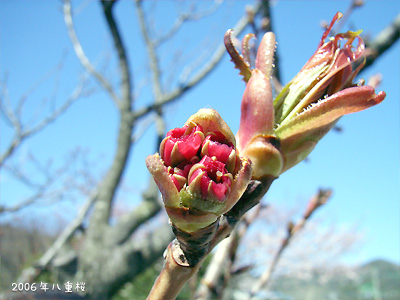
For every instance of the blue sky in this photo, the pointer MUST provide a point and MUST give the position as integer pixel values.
(361, 164)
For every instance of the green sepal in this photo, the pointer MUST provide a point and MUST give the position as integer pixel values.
(294, 93)
(206, 205)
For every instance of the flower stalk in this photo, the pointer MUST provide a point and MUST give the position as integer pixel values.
(172, 277)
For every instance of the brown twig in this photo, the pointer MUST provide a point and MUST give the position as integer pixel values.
(226, 253)
(80, 53)
(353, 5)
(109, 185)
(21, 133)
(199, 76)
(315, 202)
(209, 285)
(382, 42)
(185, 17)
(151, 51)
(172, 277)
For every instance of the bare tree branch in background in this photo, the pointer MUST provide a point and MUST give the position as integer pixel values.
(31, 273)
(382, 42)
(82, 56)
(222, 261)
(352, 7)
(315, 202)
(21, 130)
(41, 189)
(50, 184)
(185, 17)
(201, 74)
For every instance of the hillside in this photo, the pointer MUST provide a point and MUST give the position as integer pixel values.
(18, 247)
(378, 279)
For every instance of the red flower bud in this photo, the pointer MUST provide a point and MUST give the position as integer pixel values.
(216, 145)
(179, 176)
(199, 173)
(209, 179)
(181, 144)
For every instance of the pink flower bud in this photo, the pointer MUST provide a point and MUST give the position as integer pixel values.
(216, 145)
(181, 144)
(199, 173)
(179, 176)
(210, 180)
